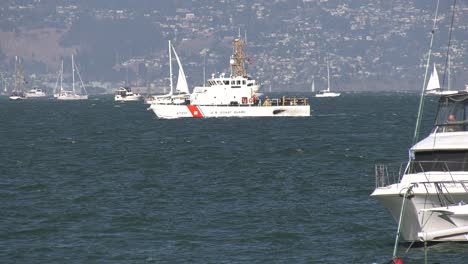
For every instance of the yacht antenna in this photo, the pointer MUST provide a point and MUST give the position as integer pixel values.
(421, 100)
(449, 43)
(328, 75)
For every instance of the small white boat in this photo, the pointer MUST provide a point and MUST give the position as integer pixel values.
(35, 93)
(327, 92)
(18, 90)
(125, 94)
(435, 175)
(433, 86)
(17, 96)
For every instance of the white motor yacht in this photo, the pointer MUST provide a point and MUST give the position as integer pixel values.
(125, 94)
(434, 183)
(35, 93)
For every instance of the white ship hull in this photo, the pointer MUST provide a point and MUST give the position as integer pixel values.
(417, 218)
(199, 111)
(35, 93)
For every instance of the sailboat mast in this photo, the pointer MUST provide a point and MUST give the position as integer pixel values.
(204, 69)
(73, 74)
(449, 83)
(328, 76)
(170, 69)
(16, 73)
(312, 89)
(61, 77)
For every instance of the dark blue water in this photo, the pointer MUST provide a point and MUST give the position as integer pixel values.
(104, 182)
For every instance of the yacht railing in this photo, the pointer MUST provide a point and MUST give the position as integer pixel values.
(387, 174)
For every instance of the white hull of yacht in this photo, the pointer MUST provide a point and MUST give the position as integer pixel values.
(72, 97)
(419, 221)
(205, 111)
(328, 94)
(35, 94)
(128, 98)
(30, 95)
(16, 98)
(441, 92)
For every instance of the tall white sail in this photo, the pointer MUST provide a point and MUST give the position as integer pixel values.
(182, 86)
(312, 89)
(433, 80)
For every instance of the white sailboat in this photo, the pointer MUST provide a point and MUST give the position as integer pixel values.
(327, 92)
(18, 90)
(182, 90)
(72, 95)
(433, 85)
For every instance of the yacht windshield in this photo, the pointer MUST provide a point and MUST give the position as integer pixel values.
(453, 113)
(454, 160)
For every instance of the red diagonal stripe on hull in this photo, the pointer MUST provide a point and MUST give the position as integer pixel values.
(195, 111)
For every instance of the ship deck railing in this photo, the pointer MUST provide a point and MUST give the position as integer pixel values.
(285, 101)
(391, 173)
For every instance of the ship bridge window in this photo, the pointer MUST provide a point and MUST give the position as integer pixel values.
(220, 83)
(243, 82)
(226, 82)
(233, 82)
(238, 82)
(452, 114)
(454, 160)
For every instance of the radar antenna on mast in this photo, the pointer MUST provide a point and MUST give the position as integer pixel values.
(237, 59)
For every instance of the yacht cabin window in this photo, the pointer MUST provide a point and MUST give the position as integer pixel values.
(448, 160)
(452, 114)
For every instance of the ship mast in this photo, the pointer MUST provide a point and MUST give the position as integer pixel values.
(237, 59)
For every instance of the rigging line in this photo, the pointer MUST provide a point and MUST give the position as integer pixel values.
(421, 100)
(449, 42)
(397, 237)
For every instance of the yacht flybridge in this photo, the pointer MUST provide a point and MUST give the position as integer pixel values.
(434, 184)
(234, 95)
